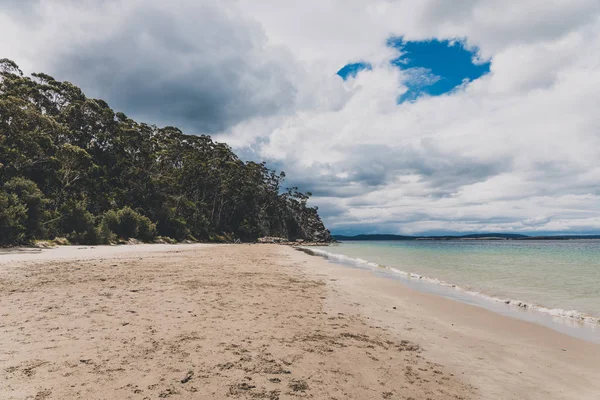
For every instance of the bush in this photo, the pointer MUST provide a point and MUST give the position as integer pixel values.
(166, 239)
(33, 199)
(13, 216)
(172, 225)
(126, 223)
(78, 223)
(110, 221)
(146, 229)
(105, 235)
(221, 238)
(61, 241)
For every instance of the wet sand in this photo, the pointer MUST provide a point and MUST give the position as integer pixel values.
(259, 321)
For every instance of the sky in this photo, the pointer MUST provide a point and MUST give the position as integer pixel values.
(400, 116)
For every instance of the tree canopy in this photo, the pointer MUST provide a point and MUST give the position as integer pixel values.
(72, 167)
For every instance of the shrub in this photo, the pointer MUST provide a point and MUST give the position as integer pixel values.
(146, 229)
(110, 221)
(78, 222)
(166, 239)
(104, 234)
(126, 223)
(172, 225)
(61, 241)
(221, 238)
(33, 199)
(13, 216)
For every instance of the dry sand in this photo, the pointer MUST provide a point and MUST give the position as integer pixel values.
(259, 321)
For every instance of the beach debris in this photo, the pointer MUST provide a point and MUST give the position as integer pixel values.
(298, 385)
(188, 377)
(43, 394)
(28, 368)
(167, 393)
(272, 239)
(241, 386)
(405, 345)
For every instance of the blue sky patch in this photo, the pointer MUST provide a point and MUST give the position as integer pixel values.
(436, 67)
(350, 70)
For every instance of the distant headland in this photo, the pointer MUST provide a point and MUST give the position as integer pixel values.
(477, 236)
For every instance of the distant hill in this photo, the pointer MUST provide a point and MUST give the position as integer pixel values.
(483, 236)
(373, 237)
(562, 237)
(477, 236)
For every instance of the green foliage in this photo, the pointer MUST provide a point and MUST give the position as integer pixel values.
(13, 218)
(105, 235)
(61, 241)
(110, 221)
(72, 167)
(166, 239)
(36, 204)
(216, 238)
(127, 223)
(146, 229)
(78, 223)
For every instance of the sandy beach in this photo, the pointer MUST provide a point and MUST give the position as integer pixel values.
(259, 321)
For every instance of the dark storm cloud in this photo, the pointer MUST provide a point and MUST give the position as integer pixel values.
(202, 68)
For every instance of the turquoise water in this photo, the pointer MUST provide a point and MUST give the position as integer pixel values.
(558, 278)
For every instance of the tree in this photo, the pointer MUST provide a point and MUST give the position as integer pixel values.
(71, 166)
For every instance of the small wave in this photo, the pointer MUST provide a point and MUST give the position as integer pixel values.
(361, 263)
(339, 257)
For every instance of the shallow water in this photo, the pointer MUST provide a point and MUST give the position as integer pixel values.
(555, 283)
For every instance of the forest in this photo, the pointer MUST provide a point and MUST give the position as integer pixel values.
(72, 168)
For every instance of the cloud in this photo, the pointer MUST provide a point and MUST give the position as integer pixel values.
(512, 147)
(512, 150)
(199, 65)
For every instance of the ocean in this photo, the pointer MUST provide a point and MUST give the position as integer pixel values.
(555, 283)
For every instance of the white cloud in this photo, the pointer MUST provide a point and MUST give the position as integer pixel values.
(516, 150)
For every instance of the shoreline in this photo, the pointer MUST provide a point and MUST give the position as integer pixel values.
(571, 322)
(242, 321)
(508, 357)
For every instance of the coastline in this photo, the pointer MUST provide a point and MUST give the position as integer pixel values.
(260, 321)
(571, 322)
(504, 357)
